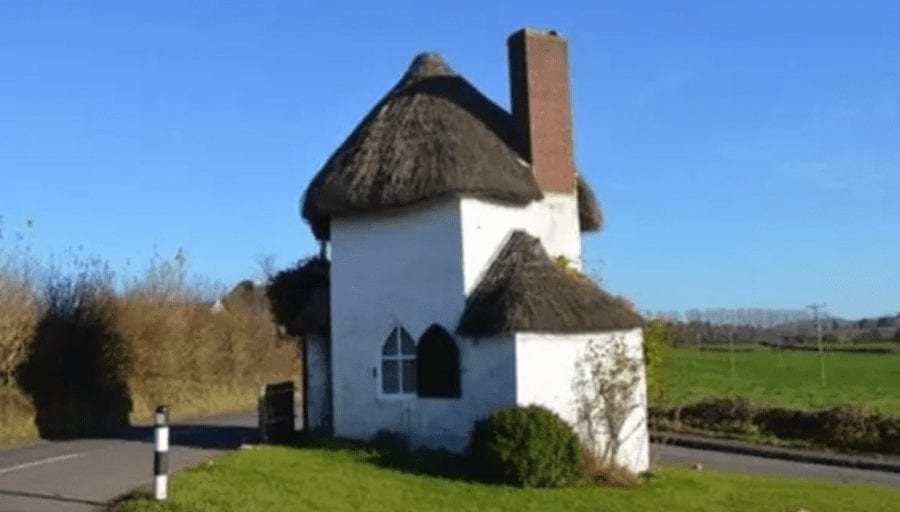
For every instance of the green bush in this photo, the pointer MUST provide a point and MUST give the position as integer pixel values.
(850, 427)
(525, 446)
(847, 428)
(830, 338)
(658, 343)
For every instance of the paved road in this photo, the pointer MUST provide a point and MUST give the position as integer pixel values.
(676, 455)
(83, 475)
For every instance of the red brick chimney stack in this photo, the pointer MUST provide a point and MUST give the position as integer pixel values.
(541, 106)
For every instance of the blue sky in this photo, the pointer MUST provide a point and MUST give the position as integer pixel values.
(745, 155)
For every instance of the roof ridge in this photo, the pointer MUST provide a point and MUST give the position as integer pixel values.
(426, 65)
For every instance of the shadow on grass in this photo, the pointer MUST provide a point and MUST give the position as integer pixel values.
(393, 456)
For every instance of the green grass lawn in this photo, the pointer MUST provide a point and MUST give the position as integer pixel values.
(785, 378)
(290, 479)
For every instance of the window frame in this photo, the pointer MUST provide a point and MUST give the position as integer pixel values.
(399, 357)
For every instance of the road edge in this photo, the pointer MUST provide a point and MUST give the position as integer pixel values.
(773, 452)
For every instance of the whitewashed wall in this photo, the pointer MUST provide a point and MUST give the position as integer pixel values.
(487, 368)
(318, 392)
(486, 225)
(405, 267)
(546, 371)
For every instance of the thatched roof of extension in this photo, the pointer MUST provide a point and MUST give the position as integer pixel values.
(525, 291)
(315, 316)
(590, 217)
(432, 135)
(300, 297)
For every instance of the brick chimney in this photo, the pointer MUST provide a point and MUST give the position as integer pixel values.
(541, 107)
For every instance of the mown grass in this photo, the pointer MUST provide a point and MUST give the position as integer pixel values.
(288, 479)
(785, 378)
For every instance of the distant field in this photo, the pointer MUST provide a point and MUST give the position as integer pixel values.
(785, 378)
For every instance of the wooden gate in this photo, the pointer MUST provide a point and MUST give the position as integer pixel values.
(276, 412)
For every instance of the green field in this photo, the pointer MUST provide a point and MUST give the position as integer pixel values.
(785, 378)
(288, 479)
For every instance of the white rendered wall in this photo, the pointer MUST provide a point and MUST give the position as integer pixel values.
(487, 224)
(546, 370)
(487, 368)
(405, 267)
(317, 386)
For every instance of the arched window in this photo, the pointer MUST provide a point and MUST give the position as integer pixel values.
(398, 364)
(438, 360)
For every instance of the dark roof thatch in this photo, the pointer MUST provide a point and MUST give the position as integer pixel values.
(590, 217)
(300, 297)
(525, 291)
(315, 316)
(433, 134)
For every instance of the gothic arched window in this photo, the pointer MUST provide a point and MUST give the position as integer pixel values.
(438, 364)
(398, 364)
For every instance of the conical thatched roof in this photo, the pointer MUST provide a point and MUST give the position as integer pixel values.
(432, 135)
(525, 291)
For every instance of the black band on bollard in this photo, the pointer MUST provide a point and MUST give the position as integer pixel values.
(160, 463)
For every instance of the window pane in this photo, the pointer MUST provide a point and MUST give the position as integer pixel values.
(390, 377)
(390, 345)
(409, 375)
(408, 345)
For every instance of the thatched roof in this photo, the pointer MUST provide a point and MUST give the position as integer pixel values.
(525, 291)
(300, 297)
(315, 316)
(248, 294)
(432, 135)
(590, 217)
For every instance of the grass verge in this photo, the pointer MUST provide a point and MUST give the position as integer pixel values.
(353, 477)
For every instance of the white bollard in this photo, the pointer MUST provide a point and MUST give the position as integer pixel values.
(161, 453)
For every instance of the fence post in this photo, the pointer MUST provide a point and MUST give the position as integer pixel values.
(263, 416)
(161, 453)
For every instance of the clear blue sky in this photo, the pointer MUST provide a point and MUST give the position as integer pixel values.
(745, 155)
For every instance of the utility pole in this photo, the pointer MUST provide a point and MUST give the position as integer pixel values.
(815, 308)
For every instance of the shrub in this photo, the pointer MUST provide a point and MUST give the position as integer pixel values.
(606, 473)
(726, 414)
(658, 343)
(77, 367)
(869, 335)
(525, 446)
(896, 336)
(850, 427)
(830, 338)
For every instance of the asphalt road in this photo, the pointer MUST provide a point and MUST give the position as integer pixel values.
(677, 455)
(84, 475)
